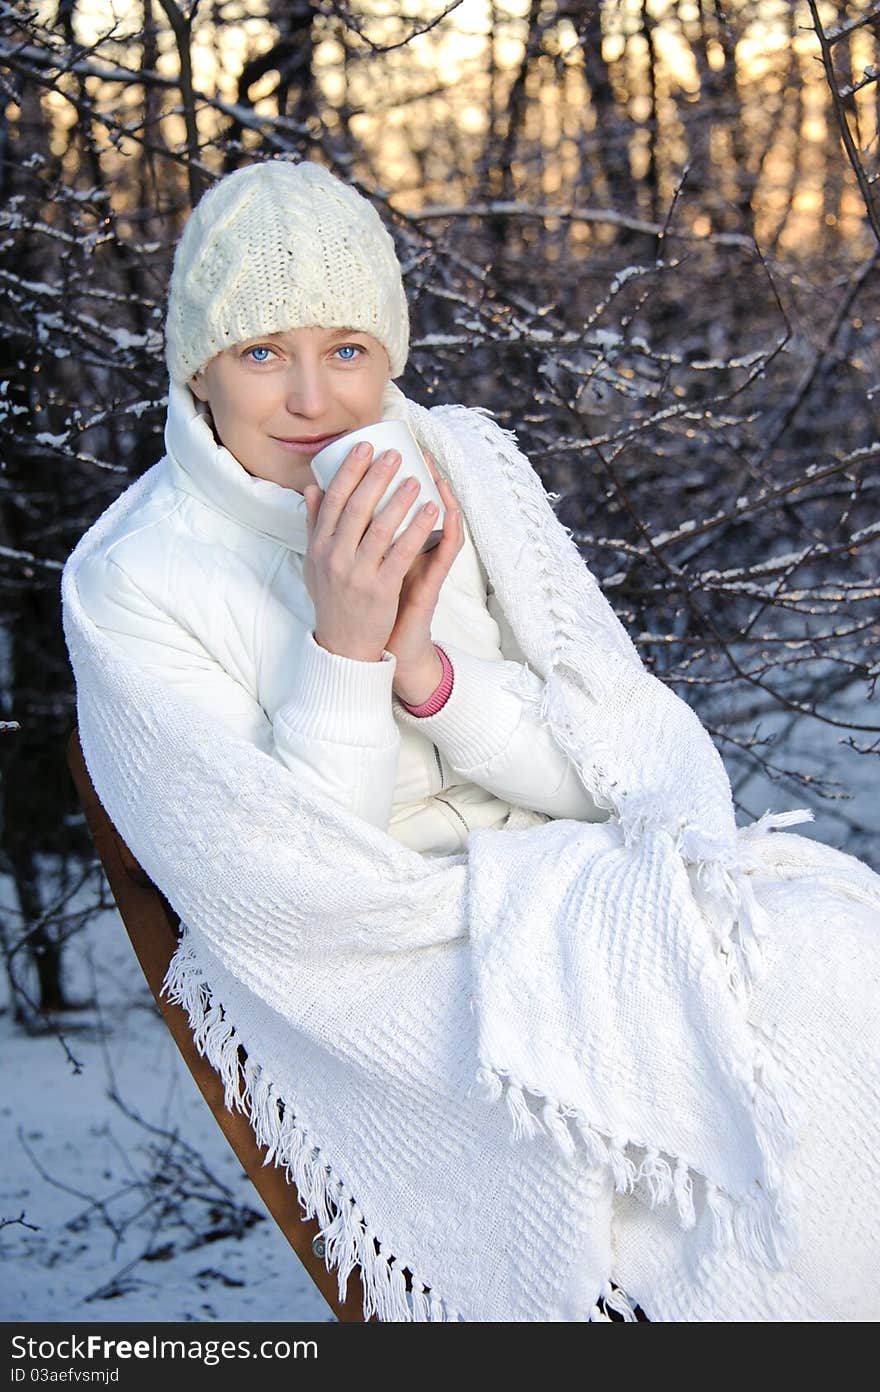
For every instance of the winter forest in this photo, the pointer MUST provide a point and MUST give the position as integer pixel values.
(646, 234)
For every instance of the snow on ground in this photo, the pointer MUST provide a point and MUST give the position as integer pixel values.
(101, 1190)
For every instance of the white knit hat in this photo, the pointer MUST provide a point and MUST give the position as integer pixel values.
(278, 246)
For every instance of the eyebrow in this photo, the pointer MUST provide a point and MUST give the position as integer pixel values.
(337, 333)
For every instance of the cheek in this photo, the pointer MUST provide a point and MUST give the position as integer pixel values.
(378, 378)
(247, 405)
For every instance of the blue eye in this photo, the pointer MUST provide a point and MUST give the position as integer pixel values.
(355, 346)
(259, 350)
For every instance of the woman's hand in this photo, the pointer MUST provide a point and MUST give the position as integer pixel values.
(351, 569)
(418, 670)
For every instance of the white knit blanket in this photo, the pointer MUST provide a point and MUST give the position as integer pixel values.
(594, 976)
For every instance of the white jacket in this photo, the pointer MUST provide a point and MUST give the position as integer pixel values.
(207, 590)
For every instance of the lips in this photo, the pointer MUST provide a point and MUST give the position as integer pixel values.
(309, 439)
(307, 448)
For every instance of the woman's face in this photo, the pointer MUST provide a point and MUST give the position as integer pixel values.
(269, 396)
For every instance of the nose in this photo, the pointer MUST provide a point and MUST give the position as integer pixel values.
(306, 390)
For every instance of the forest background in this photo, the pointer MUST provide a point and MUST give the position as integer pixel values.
(645, 233)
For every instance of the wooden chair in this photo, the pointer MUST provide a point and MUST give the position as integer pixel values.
(153, 927)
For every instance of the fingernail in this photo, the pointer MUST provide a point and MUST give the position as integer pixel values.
(362, 450)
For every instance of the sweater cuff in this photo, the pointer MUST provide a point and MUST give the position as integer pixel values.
(342, 699)
(480, 715)
(440, 695)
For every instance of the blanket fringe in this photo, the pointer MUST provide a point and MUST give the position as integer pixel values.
(349, 1241)
(613, 1298)
(763, 1224)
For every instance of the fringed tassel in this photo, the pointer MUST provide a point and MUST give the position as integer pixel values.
(322, 1194)
(736, 974)
(750, 928)
(525, 1122)
(563, 1124)
(779, 1129)
(719, 1207)
(723, 891)
(385, 1288)
(489, 1084)
(622, 1166)
(595, 1145)
(669, 1180)
(558, 1127)
(421, 1309)
(319, 1191)
(754, 1225)
(760, 1234)
(337, 1234)
(492, 1085)
(641, 813)
(774, 1117)
(575, 616)
(682, 1184)
(657, 1174)
(613, 1298)
(714, 889)
(765, 1223)
(349, 1247)
(723, 887)
(665, 1179)
(768, 820)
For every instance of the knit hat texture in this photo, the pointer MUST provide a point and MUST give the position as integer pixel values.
(278, 246)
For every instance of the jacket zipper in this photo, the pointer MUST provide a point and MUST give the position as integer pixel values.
(445, 801)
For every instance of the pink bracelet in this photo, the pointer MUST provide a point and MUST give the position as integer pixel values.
(440, 695)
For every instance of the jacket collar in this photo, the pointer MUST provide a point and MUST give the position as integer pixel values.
(208, 471)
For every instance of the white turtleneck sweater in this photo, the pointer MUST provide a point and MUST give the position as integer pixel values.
(207, 590)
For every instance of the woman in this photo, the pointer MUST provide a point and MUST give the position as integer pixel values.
(391, 685)
(311, 641)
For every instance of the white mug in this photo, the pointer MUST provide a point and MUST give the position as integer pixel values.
(384, 435)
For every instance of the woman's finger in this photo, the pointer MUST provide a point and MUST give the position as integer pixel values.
(434, 471)
(453, 518)
(312, 494)
(355, 475)
(453, 536)
(450, 501)
(438, 561)
(378, 538)
(408, 547)
(444, 488)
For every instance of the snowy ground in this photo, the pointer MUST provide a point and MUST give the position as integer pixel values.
(128, 1223)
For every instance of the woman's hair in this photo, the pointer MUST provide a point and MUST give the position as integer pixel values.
(278, 246)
